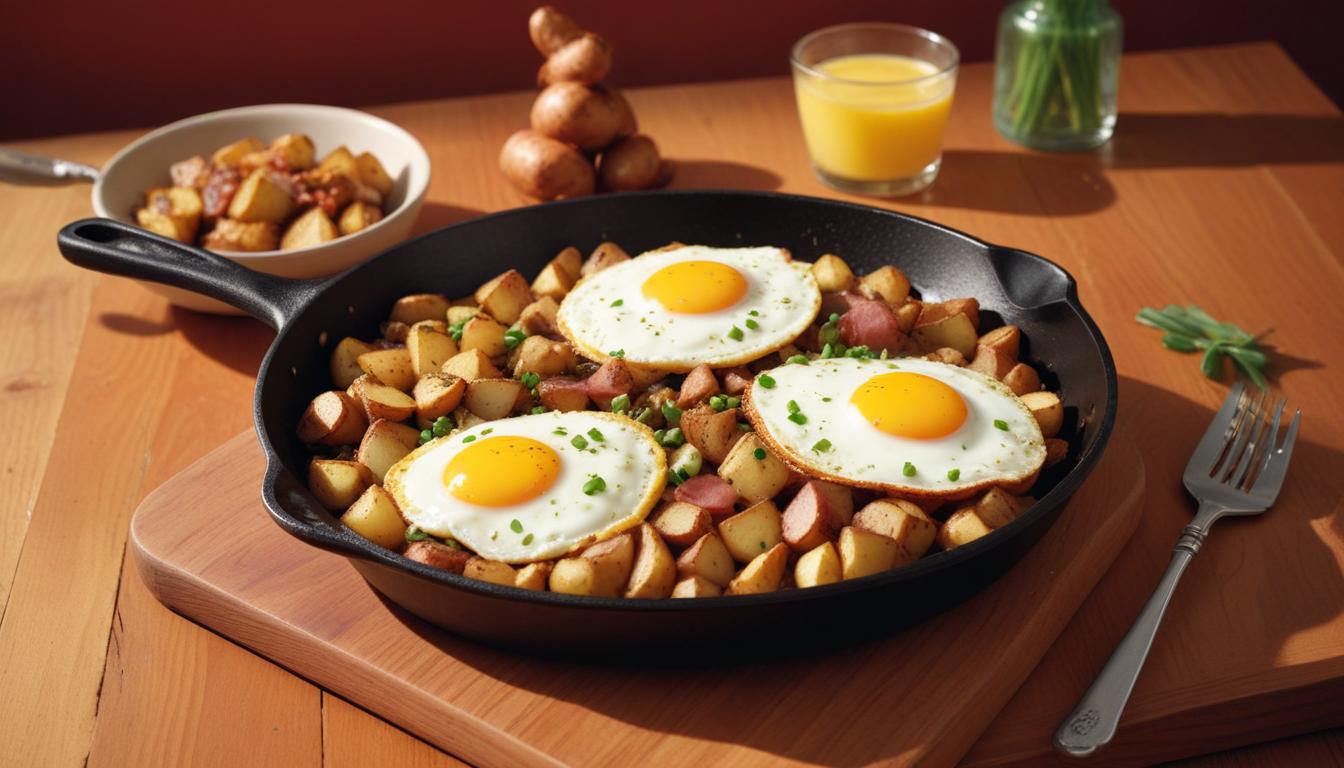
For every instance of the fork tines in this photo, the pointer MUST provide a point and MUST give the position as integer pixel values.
(1250, 440)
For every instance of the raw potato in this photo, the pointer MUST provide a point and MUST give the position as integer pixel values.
(563, 394)
(713, 433)
(381, 401)
(585, 59)
(551, 30)
(471, 364)
(232, 154)
(818, 567)
(954, 331)
(708, 559)
(863, 553)
(887, 283)
(544, 357)
(902, 522)
(483, 334)
(313, 227)
(505, 296)
(603, 256)
(375, 516)
(696, 586)
(832, 274)
(754, 479)
(577, 114)
(437, 555)
(333, 418)
(681, 524)
(546, 169)
(386, 443)
(1047, 409)
(495, 398)
(538, 318)
(437, 394)
(492, 571)
(1022, 378)
(632, 163)
(261, 198)
(231, 235)
(389, 366)
(752, 532)
(295, 151)
(419, 306)
(762, 574)
(1007, 339)
(357, 216)
(654, 572)
(552, 282)
(337, 484)
(533, 576)
(962, 527)
(429, 349)
(345, 361)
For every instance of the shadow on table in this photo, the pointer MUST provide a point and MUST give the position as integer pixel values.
(233, 340)
(1025, 182)
(758, 713)
(722, 174)
(435, 215)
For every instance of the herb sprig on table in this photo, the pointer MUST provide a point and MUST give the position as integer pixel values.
(1190, 329)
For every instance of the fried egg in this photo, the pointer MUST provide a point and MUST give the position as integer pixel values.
(679, 307)
(911, 427)
(532, 487)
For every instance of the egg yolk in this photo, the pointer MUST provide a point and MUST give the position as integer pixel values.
(501, 471)
(696, 287)
(910, 405)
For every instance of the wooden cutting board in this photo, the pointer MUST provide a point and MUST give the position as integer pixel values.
(206, 548)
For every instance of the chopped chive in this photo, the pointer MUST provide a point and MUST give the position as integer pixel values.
(826, 399)
(754, 313)
(455, 330)
(579, 442)
(827, 351)
(538, 409)
(797, 418)
(527, 539)
(487, 430)
(759, 453)
(513, 337)
(671, 413)
(596, 435)
(672, 438)
(425, 436)
(594, 485)
(559, 431)
(617, 353)
(658, 435)
(516, 526)
(1001, 424)
(752, 324)
(644, 415)
(414, 533)
(766, 381)
(618, 302)
(799, 359)
(953, 474)
(793, 406)
(530, 379)
(468, 438)
(733, 401)
(834, 318)
(821, 446)
(620, 404)
(736, 333)
(908, 470)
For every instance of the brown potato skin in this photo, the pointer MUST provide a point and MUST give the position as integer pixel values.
(437, 555)
(550, 29)
(546, 169)
(585, 59)
(631, 164)
(576, 114)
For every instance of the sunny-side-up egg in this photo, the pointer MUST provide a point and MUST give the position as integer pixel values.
(911, 427)
(532, 487)
(679, 307)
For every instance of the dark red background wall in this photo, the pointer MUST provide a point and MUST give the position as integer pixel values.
(67, 67)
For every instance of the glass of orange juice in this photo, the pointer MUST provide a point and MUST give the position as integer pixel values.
(873, 100)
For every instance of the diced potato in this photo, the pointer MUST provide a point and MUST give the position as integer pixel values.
(753, 471)
(751, 532)
(461, 313)
(575, 576)
(345, 361)
(569, 260)
(1022, 378)
(1056, 450)
(713, 433)
(492, 571)
(763, 574)
(947, 356)
(1007, 339)
(552, 281)
(176, 228)
(863, 553)
(437, 555)
(471, 364)
(696, 586)
(907, 315)
(252, 161)
(544, 357)
(337, 484)
(389, 366)
(1023, 486)
(902, 522)
(231, 235)
(313, 227)
(465, 419)
(654, 572)
(681, 524)
(429, 349)
(563, 394)
(533, 576)
(992, 362)
(832, 274)
(601, 570)
(437, 394)
(295, 151)
(955, 331)
(708, 559)
(357, 216)
(232, 154)
(381, 401)
(642, 377)
(817, 567)
(538, 318)
(332, 418)
(340, 162)
(384, 444)
(961, 527)
(373, 174)
(183, 204)
(419, 306)
(887, 283)
(483, 333)
(261, 198)
(191, 173)
(934, 312)
(1047, 409)
(603, 256)
(809, 521)
(495, 398)
(505, 296)
(375, 516)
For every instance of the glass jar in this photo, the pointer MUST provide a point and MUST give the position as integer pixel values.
(1056, 67)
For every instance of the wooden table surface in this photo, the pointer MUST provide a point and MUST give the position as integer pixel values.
(1224, 185)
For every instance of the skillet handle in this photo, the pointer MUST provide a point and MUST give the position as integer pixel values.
(107, 245)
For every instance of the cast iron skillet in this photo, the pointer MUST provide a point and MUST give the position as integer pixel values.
(312, 315)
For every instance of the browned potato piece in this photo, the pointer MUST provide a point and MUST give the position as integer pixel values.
(933, 312)
(563, 394)
(551, 30)
(471, 364)
(358, 215)
(992, 362)
(505, 296)
(484, 334)
(900, 521)
(1007, 340)
(699, 385)
(642, 377)
(832, 274)
(546, 169)
(261, 197)
(696, 586)
(713, 433)
(887, 283)
(437, 394)
(955, 331)
(552, 282)
(947, 355)
(533, 576)
(182, 204)
(492, 571)
(461, 311)
(681, 524)
(1047, 409)
(375, 516)
(312, 227)
(345, 361)
(544, 357)
(1056, 450)
(962, 527)
(632, 163)
(569, 260)
(762, 574)
(996, 508)
(340, 162)
(381, 401)
(817, 567)
(373, 174)
(576, 114)
(575, 576)
(601, 570)
(337, 484)
(708, 559)
(907, 315)
(389, 366)
(386, 443)
(191, 173)
(333, 418)
(437, 555)
(585, 59)
(754, 476)
(231, 235)
(1022, 378)
(465, 419)
(538, 318)
(295, 151)
(428, 349)
(494, 398)
(605, 255)
(232, 154)
(181, 230)
(863, 553)
(654, 572)
(751, 532)
(419, 306)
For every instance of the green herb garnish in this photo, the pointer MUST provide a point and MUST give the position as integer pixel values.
(953, 474)
(736, 333)
(752, 324)
(527, 539)
(538, 409)
(799, 359)
(1001, 424)
(618, 302)
(1191, 329)
(620, 404)
(594, 485)
(766, 381)
(596, 435)
(672, 438)
(821, 446)
(469, 438)
(516, 526)
(908, 470)
(513, 337)
(718, 402)
(759, 453)
(455, 330)
(426, 435)
(579, 442)
(414, 533)
(617, 353)
(530, 379)
(797, 418)
(671, 413)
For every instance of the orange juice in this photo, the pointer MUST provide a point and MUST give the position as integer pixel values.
(874, 117)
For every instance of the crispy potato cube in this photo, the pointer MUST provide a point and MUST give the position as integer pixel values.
(992, 362)
(681, 523)
(955, 331)
(232, 154)
(575, 576)
(437, 394)
(1007, 340)
(832, 274)
(384, 444)
(438, 555)
(1047, 409)
(381, 401)
(231, 235)
(1022, 378)
(887, 283)
(174, 227)
(997, 508)
(947, 355)
(699, 385)
(907, 315)
(809, 521)
(340, 162)
(395, 331)
(753, 471)
(1056, 450)
(544, 357)
(505, 296)
(569, 260)
(552, 281)
(373, 174)
(538, 318)
(1021, 487)
(295, 151)
(714, 433)
(613, 560)
(863, 553)
(961, 527)
(817, 567)
(471, 364)
(429, 349)
(337, 484)
(696, 586)
(763, 574)
(708, 559)
(933, 312)
(492, 571)
(419, 306)
(643, 377)
(252, 161)
(751, 532)
(389, 366)
(654, 571)
(345, 361)
(375, 516)
(261, 197)
(603, 256)
(484, 334)
(181, 203)
(902, 522)
(839, 499)
(191, 173)
(465, 419)
(313, 227)
(495, 398)
(332, 418)
(357, 216)
(533, 576)
(461, 313)
(563, 394)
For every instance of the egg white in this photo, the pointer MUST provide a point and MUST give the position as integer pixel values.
(781, 291)
(862, 455)
(560, 520)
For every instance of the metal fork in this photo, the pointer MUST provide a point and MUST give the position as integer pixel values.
(1237, 469)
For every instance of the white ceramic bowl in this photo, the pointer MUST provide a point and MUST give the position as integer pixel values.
(144, 163)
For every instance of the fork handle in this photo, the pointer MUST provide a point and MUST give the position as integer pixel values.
(1094, 719)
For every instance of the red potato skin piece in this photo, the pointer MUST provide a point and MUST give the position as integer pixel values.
(709, 492)
(735, 380)
(840, 303)
(872, 324)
